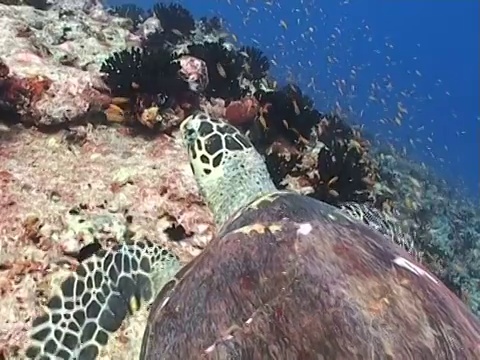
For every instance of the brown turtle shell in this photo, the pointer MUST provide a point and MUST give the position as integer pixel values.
(292, 278)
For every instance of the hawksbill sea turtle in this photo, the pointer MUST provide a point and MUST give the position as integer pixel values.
(286, 277)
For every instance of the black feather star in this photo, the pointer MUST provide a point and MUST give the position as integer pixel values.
(212, 25)
(177, 24)
(174, 17)
(143, 71)
(256, 64)
(224, 69)
(333, 161)
(162, 40)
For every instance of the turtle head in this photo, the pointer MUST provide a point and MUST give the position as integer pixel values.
(229, 171)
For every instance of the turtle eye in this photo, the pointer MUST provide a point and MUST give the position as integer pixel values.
(189, 135)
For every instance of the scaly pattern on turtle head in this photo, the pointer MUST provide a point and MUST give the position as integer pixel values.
(95, 300)
(229, 171)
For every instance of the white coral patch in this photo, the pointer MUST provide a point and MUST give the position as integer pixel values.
(304, 229)
(406, 264)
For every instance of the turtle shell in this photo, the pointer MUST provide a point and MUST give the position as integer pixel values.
(290, 277)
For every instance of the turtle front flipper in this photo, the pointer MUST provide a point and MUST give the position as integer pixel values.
(96, 299)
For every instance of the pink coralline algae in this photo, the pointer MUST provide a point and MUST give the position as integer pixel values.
(242, 111)
(41, 101)
(52, 59)
(20, 95)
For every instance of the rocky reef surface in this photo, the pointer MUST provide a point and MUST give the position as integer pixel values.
(90, 101)
(442, 219)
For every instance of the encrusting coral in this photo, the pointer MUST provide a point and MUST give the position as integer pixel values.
(67, 48)
(18, 94)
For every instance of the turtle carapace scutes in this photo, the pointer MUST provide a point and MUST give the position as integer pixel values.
(290, 277)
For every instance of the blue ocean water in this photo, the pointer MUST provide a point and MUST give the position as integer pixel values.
(408, 70)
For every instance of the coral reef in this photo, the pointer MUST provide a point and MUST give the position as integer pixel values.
(443, 222)
(176, 25)
(58, 195)
(313, 152)
(174, 18)
(19, 95)
(130, 11)
(146, 79)
(243, 111)
(195, 72)
(85, 72)
(320, 155)
(67, 48)
(160, 75)
(224, 69)
(37, 4)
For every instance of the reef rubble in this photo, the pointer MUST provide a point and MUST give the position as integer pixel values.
(90, 102)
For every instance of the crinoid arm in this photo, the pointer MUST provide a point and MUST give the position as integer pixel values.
(95, 300)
